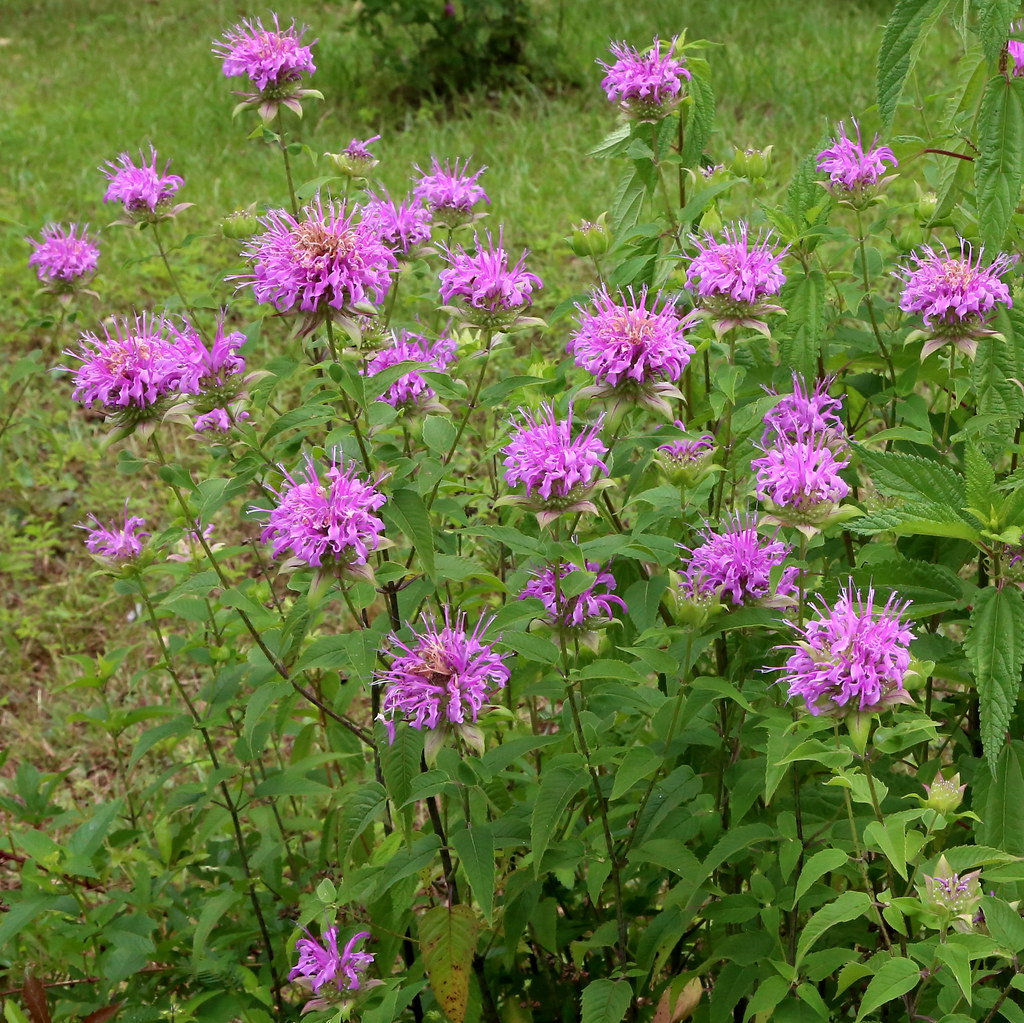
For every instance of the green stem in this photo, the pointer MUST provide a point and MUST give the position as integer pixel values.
(949, 396)
(351, 414)
(170, 273)
(288, 173)
(871, 314)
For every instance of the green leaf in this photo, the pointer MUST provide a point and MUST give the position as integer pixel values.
(86, 841)
(848, 906)
(901, 43)
(628, 201)
(400, 763)
(360, 810)
(614, 144)
(995, 649)
(606, 1001)
(214, 910)
(994, 17)
(999, 168)
(448, 942)
(408, 512)
(895, 978)
(891, 837)
(22, 913)
(638, 762)
(820, 864)
(303, 417)
(1003, 817)
(558, 786)
(1004, 923)
(475, 849)
(700, 113)
(438, 434)
(998, 367)
(981, 479)
(804, 298)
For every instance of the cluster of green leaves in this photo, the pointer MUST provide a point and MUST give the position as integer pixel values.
(650, 829)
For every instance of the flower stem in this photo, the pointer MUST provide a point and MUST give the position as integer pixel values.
(871, 315)
(351, 414)
(170, 272)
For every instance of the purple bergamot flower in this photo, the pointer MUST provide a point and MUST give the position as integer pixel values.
(581, 612)
(854, 173)
(804, 414)
(646, 86)
(130, 371)
(324, 261)
(449, 191)
(274, 61)
(852, 656)
(356, 160)
(325, 521)
(493, 294)
(323, 964)
(411, 389)
(401, 226)
(219, 420)
(557, 470)
(685, 460)
(735, 565)
(116, 542)
(65, 258)
(632, 351)
(954, 296)
(143, 191)
(734, 278)
(442, 678)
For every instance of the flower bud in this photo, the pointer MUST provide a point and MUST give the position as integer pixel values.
(926, 206)
(591, 239)
(752, 163)
(952, 896)
(945, 794)
(240, 223)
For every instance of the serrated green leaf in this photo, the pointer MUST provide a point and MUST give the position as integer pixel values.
(448, 942)
(628, 201)
(896, 977)
(994, 17)
(475, 849)
(820, 864)
(606, 1001)
(995, 649)
(400, 763)
(305, 416)
(890, 836)
(901, 42)
(848, 906)
(917, 479)
(998, 369)
(1002, 824)
(614, 144)
(558, 786)
(408, 512)
(638, 762)
(1004, 923)
(981, 479)
(215, 908)
(804, 299)
(359, 811)
(700, 113)
(999, 168)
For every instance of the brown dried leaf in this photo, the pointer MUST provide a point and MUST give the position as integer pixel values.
(102, 1015)
(685, 1003)
(34, 995)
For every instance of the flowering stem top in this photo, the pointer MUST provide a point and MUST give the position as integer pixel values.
(645, 86)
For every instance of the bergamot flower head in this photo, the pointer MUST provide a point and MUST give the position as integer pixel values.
(442, 678)
(116, 542)
(807, 413)
(325, 964)
(274, 60)
(558, 471)
(685, 461)
(735, 276)
(450, 192)
(645, 86)
(355, 160)
(853, 656)
(143, 191)
(635, 351)
(582, 612)
(411, 390)
(854, 173)
(65, 258)
(955, 296)
(401, 226)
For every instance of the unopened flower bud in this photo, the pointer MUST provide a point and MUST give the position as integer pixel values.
(945, 794)
(752, 163)
(926, 206)
(952, 896)
(591, 239)
(240, 223)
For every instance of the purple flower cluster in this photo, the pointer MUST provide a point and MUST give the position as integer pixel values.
(687, 450)
(851, 169)
(735, 276)
(209, 368)
(325, 260)
(626, 343)
(143, 190)
(646, 86)
(443, 677)
(494, 293)
(852, 656)
(955, 296)
(271, 59)
(400, 225)
(801, 476)
(805, 414)
(411, 389)
(555, 468)
(449, 192)
(116, 542)
(332, 520)
(323, 964)
(583, 611)
(736, 564)
(64, 257)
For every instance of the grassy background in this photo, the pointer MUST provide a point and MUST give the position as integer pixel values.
(117, 76)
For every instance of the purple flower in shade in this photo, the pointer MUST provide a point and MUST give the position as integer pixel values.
(557, 470)
(685, 460)
(411, 389)
(116, 542)
(356, 160)
(219, 419)
(800, 481)
(632, 350)
(330, 520)
(734, 278)
(735, 565)
(853, 173)
(646, 86)
(852, 656)
(324, 261)
(494, 294)
(954, 296)
(400, 225)
(274, 61)
(442, 678)
(449, 192)
(129, 372)
(803, 414)
(581, 612)
(65, 258)
(324, 964)
(144, 191)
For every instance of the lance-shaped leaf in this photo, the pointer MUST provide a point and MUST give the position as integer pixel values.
(804, 298)
(999, 169)
(448, 941)
(995, 649)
